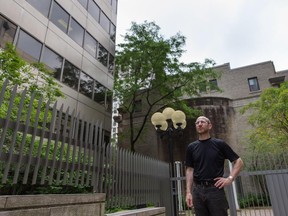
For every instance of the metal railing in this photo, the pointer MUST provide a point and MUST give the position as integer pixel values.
(261, 189)
(41, 145)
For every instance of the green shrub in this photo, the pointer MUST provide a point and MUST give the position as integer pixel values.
(254, 200)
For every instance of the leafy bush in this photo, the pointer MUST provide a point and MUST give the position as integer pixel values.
(254, 200)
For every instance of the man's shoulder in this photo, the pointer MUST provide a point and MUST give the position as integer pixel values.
(193, 144)
(217, 140)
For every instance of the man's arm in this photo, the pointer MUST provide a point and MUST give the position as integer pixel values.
(189, 184)
(237, 166)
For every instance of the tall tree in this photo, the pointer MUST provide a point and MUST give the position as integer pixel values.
(148, 67)
(269, 121)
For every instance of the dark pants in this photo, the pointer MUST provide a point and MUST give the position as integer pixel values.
(209, 201)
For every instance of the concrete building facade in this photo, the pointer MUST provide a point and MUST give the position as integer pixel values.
(76, 40)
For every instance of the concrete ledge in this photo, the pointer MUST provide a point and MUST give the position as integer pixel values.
(156, 211)
(53, 205)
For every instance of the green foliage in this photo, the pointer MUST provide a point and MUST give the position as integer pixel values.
(254, 200)
(34, 78)
(148, 68)
(269, 121)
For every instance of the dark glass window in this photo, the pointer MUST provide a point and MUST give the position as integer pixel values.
(42, 6)
(70, 75)
(102, 55)
(253, 84)
(105, 22)
(99, 93)
(59, 17)
(109, 102)
(28, 47)
(94, 10)
(114, 5)
(86, 85)
(83, 3)
(53, 62)
(76, 32)
(7, 31)
(213, 84)
(138, 106)
(111, 64)
(90, 44)
(112, 32)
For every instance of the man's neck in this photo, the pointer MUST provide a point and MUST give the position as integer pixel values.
(204, 136)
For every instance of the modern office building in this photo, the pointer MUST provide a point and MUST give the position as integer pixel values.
(76, 40)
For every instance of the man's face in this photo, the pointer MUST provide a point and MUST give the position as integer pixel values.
(203, 125)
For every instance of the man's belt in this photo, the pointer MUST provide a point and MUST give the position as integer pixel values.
(205, 183)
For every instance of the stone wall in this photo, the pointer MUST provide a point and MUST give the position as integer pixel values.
(53, 205)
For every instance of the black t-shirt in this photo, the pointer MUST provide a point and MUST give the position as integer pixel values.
(207, 157)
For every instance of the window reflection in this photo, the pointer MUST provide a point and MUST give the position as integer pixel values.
(28, 47)
(42, 6)
(94, 10)
(253, 84)
(105, 22)
(76, 32)
(83, 3)
(112, 32)
(59, 17)
(70, 75)
(53, 62)
(114, 4)
(90, 44)
(99, 93)
(109, 101)
(111, 64)
(86, 85)
(7, 31)
(102, 55)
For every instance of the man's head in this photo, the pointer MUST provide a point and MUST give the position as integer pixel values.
(203, 125)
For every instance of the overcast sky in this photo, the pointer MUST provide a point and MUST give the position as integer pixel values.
(239, 32)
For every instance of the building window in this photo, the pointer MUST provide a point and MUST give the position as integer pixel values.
(60, 17)
(83, 3)
(105, 22)
(53, 62)
(70, 75)
(112, 32)
(109, 102)
(94, 10)
(7, 31)
(90, 44)
(28, 47)
(86, 85)
(99, 93)
(102, 55)
(43, 6)
(114, 5)
(76, 32)
(253, 84)
(111, 64)
(213, 84)
(138, 106)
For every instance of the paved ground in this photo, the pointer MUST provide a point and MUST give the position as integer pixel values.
(255, 212)
(243, 212)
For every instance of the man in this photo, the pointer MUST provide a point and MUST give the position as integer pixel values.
(204, 171)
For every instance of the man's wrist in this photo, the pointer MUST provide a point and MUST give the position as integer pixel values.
(230, 177)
